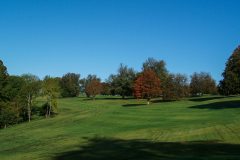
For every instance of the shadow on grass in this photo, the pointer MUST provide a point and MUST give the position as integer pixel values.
(133, 105)
(152, 101)
(103, 148)
(161, 101)
(107, 98)
(219, 105)
(202, 99)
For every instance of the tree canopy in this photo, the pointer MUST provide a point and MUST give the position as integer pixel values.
(3, 80)
(230, 84)
(202, 83)
(51, 90)
(122, 83)
(147, 85)
(70, 84)
(176, 87)
(93, 88)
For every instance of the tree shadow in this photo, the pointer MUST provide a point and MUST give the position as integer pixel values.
(107, 98)
(133, 105)
(117, 149)
(202, 99)
(161, 101)
(219, 105)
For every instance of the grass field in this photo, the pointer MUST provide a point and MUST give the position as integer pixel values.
(111, 128)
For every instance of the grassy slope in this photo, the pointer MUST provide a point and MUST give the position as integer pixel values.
(198, 128)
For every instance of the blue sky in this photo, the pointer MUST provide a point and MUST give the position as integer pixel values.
(53, 37)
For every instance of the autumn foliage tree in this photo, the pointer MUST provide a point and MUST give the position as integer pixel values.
(147, 85)
(86, 81)
(93, 88)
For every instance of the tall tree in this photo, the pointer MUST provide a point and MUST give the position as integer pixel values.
(147, 85)
(85, 81)
(176, 87)
(159, 67)
(93, 88)
(112, 84)
(231, 75)
(123, 81)
(106, 88)
(29, 91)
(3, 80)
(70, 85)
(202, 83)
(10, 108)
(51, 90)
(8, 114)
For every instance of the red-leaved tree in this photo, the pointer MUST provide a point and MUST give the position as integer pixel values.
(93, 88)
(147, 85)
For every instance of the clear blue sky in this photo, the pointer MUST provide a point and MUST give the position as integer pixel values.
(53, 37)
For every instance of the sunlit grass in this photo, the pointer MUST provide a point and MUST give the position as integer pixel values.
(211, 118)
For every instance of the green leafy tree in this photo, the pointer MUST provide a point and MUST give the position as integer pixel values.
(13, 88)
(158, 66)
(51, 90)
(112, 84)
(30, 91)
(230, 85)
(122, 83)
(9, 91)
(9, 114)
(70, 84)
(3, 80)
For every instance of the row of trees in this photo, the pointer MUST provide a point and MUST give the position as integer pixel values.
(18, 93)
(153, 81)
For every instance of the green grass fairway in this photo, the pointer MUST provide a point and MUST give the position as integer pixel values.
(111, 128)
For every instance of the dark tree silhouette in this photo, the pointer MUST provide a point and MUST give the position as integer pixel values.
(70, 85)
(230, 85)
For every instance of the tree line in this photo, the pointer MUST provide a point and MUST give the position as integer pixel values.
(18, 94)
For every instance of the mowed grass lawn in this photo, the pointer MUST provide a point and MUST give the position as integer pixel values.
(112, 128)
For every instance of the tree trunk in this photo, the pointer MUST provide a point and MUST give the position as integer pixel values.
(50, 107)
(46, 113)
(29, 108)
